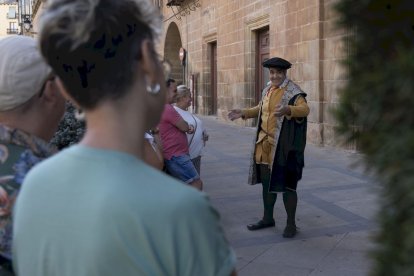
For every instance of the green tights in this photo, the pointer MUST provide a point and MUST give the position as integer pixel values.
(290, 199)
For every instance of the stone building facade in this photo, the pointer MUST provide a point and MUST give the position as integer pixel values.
(9, 18)
(37, 7)
(226, 41)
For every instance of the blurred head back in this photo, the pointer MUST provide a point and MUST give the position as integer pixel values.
(23, 71)
(94, 45)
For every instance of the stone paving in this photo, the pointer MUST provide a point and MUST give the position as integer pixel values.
(336, 209)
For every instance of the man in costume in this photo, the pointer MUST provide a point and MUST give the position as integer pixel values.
(278, 155)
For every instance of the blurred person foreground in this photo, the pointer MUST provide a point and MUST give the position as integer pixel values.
(30, 110)
(96, 208)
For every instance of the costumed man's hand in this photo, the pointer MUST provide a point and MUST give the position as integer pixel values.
(282, 110)
(235, 114)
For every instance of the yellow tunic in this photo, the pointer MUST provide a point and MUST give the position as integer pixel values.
(266, 140)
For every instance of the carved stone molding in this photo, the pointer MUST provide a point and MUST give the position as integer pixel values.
(210, 37)
(258, 22)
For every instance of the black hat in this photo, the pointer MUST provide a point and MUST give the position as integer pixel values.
(277, 62)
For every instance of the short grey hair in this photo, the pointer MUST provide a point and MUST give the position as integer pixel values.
(92, 45)
(182, 91)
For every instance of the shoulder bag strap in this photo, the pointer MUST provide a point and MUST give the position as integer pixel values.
(195, 129)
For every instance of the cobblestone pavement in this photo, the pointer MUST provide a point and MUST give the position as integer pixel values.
(336, 209)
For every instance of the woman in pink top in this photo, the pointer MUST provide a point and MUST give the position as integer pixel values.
(173, 131)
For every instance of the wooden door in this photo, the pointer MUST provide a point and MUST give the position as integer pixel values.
(262, 50)
(213, 76)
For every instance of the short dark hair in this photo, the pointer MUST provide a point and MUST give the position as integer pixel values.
(96, 64)
(169, 81)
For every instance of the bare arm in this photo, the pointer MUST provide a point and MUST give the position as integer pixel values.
(184, 126)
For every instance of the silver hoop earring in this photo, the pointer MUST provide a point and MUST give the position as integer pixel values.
(154, 90)
(79, 115)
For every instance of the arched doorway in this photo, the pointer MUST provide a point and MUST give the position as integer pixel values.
(171, 52)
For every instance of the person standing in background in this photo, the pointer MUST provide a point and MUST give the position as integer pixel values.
(278, 153)
(198, 139)
(31, 107)
(173, 129)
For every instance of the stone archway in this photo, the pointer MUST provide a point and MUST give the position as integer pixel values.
(172, 47)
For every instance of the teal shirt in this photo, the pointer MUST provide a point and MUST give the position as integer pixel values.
(89, 212)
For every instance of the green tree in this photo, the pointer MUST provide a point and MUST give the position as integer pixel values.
(70, 130)
(377, 112)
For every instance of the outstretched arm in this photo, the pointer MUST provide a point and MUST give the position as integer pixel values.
(235, 114)
(244, 113)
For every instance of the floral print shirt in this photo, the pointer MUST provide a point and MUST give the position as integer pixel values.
(19, 152)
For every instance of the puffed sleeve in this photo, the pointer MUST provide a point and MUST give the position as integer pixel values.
(251, 112)
(300, 109)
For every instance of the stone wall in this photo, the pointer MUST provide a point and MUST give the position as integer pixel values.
(5, 21)
(301, 31)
